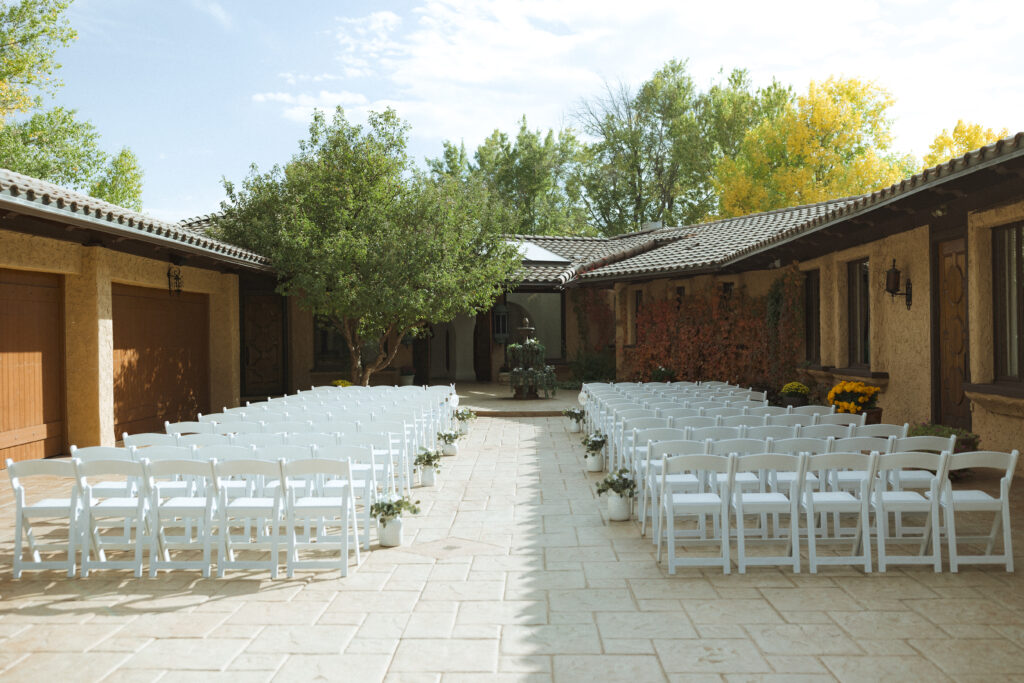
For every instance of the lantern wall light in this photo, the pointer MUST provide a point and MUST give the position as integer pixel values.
(892, 285)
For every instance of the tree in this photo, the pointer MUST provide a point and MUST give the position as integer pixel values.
(964, 138)
(654, 151)
(834, 141)
(55, 146)
(366, 242)
(30, 33)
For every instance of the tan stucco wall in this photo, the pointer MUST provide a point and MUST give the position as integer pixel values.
(900, 339)
(300, 346)
(89, 334)
(999, 421)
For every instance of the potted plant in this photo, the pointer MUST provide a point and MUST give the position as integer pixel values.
(620, 488)
(857, 397)
(448, 438)
(464, 415)
(428, 462)
(594, 457)
(576, 416)
(794, 394)
(406, 375)
(388, 514)
(341, 383)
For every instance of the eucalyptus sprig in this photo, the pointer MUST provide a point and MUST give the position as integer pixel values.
(428, 458)
(448, 436)
(618, 482)
(465, 415)
(386, 510)
(575, 414)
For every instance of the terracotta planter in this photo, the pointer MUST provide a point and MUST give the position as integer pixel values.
(390, 534)
(873, 416)
(594, 462)
(619, 507)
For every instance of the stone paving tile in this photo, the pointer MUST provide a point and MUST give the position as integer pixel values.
(513, 573)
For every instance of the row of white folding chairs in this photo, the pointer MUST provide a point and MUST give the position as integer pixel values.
(147, 512)
(645, 466)
(702, 486)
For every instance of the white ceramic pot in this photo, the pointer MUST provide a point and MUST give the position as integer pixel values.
(463, 427)
(619, 507)
(390, 534)
(428, 476)
(450, 449)
(582, 399)
(574, 427)
(595, 463)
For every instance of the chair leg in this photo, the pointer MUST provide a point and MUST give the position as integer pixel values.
(812, 541)
(864, 527)
(1007, 536)
(741, 546)
(993, 534)
(794, 536)
(658, 533)
(949, 517)
(882, 522)
(670, 539)
(726, 564)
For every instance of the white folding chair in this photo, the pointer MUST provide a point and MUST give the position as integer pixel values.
(235, 427)
(695, 422)
(115, 487)
(201, 440)
(761, 503)
(311, 439)
(824, 431)
(628, 445)
(257, 439)
(101, 511)
(715, 433)
(767, 411)
(883, 430)
(188, 427)
(242, 509)
(188, 509)
(222, 417)
(849, 419)
(790, 420)
(323, 510)
(954, 501)
(770, 432)
(749, 421)
(812, 410)
(837, 502)
(883, 502)
(148, 439)
(367, 473)
(680, 500)
(64, 510)
(289, 427)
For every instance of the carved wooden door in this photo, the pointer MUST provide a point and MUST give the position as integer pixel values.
(954, 408)
(263, 344)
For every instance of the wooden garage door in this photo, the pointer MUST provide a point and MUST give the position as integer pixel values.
(31, 366)
(161, 358)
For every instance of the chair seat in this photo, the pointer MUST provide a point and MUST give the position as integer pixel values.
(849, 477)
(916, 479)
(183, 504)
(904, 501)
(245, 505)
(105, 489)
(764, 502)
(114, 505)
(971, 501)
(47, 507)
(168, 489)
(789, 477)
(677, 480)
(696, 502)
(311, 503)
(832, 501)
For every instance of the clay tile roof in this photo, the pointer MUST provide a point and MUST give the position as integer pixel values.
(25, 194)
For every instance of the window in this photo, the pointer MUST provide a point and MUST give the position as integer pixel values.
(1007, 286)
(859, 312)
(330, 350)
(812, 316)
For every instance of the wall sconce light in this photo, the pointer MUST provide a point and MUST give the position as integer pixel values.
(892, 284)
(174, 281)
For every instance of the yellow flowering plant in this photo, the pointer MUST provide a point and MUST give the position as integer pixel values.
(853, 397)
(341, 383)
(795, 389)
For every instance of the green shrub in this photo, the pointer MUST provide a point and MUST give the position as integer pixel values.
(965, 441)
(594, 367)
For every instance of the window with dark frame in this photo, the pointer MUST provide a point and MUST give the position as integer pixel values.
(1008, 298)
(859, 313)
(812, 316)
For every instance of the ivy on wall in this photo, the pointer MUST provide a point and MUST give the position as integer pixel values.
(753, 341)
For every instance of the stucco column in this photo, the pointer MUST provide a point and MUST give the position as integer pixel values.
(89, 352)
(224, 345)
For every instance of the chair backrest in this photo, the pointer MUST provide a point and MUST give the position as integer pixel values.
(377, 441)
(678, 412)
(101, 453)
(1007, 462)
(336, 426)
(825, 431)
(707, 404)
(885, 430)
(359, 454)
(845, 460)
(204, 440)
(678, 464)
(723, 412)
(39, 468)
(935, 444)
(740, 446)
(148, 439)
(644, 423)
(802, 444)
(919, 460)
(172, 467)
(767, 410)
(791, 420)
(770, 432)
(291, 427)
(747, 403)
(715, 433)
(659, 405)
(813, 410)
(257, 439)
(779, 462)
(662, 449)
(623, 415)
(308, 467)
(103, 468)
(840, 419)
(311, 439)
(222, 417)
(188, 427)
(224, 453)
(282, 452)
(865, 444)
(234, 468)
(160, 453)
(694, 422)
(235, 427)
(642, 437)
(744, 421)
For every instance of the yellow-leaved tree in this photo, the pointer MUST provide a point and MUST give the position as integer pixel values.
(834, 141)
(964, 138)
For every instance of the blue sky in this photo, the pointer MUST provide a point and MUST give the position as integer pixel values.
(201, 90)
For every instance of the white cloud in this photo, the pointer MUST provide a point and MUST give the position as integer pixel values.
(459, 68)
(301, 107)
(216, 11)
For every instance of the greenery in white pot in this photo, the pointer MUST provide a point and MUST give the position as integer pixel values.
(576, 416)
(464, 416)
(620, 488)
(429, 463)
(388, 514)
(593, 458)
(448, 438)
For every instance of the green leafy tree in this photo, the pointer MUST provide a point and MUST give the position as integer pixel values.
(834, 141)
(30, 33)
(367, 243)
(121, 181)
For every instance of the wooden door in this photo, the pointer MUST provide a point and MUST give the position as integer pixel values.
(31, 366)
(161, 358)
(482, 347)
(263, 361)
(954, 408)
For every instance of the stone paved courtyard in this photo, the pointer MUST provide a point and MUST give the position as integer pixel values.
(514, 574)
